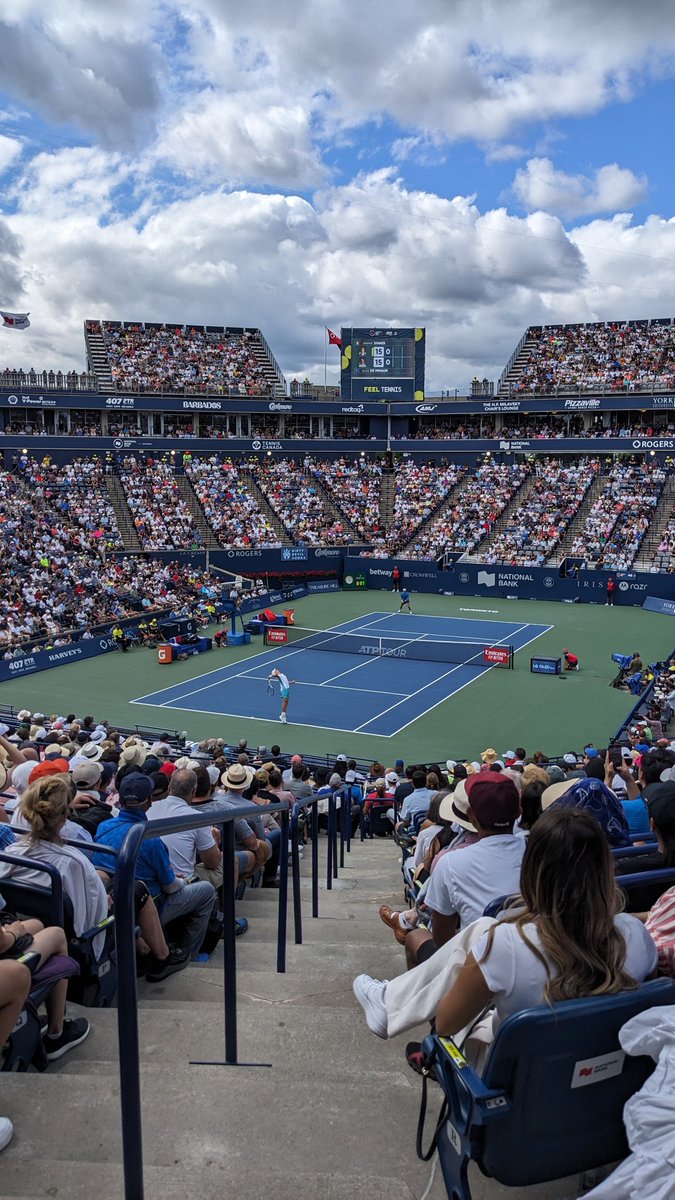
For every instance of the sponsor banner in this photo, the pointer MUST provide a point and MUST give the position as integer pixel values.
(323, 585)
(58, 656)
(545, 666)
(276, 635)
(389, 390)
(519, 404)
(497, 655)
(526, 583)
(36, 398)
(655, 604)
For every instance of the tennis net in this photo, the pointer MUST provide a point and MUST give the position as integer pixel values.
(372, 645)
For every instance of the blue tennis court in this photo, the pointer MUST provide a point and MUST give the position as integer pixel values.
(361, 691)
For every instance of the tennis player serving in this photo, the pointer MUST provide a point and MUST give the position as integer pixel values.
(285, 685)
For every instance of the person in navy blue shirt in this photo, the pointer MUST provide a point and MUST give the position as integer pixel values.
(405, 601)
(192, 904)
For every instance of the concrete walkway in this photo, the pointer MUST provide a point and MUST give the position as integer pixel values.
(334, 1118)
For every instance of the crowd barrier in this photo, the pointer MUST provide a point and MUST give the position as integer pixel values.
(58, 656)
(518, 583)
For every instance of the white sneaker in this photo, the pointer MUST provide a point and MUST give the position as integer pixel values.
(6, 1132)
(282, 718)
(370, 994)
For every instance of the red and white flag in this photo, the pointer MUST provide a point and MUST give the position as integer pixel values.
(15, 320)
(333, 339)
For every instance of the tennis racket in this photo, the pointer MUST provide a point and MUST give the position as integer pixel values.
(270, 686)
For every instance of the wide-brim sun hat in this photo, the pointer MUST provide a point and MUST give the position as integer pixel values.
(455, 807)
(237, 777)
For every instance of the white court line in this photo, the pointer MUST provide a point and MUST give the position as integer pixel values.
(340, 729)
(227, 679)
(546, 629)
(209, 712)
(445, 676)
(406, 696)
(225, 667)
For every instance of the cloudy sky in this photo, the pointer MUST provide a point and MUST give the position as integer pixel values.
(468, 165)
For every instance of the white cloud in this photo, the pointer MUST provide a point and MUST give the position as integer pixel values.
(456, 71)
(197, 115)
(10, 150)
(538, 185)
(245, 136)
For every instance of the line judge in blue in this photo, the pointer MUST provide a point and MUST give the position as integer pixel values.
(285, 684)
(405, 601)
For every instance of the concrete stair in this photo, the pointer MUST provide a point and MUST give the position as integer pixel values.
(387, 498)
(505, 517)
(332, 1118)
(332, 506)
(657, 527)
(248, 477)
(448, 501)
(118, 503)
(97, 360)
(577, 523)
(189, 496)
(511, 377)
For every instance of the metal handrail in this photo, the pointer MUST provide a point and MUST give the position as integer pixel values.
(307, 805)
(127, 998)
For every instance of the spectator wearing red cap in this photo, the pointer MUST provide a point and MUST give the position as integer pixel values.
(463, 884)
(48, 769)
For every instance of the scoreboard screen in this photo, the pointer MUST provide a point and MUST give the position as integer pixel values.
(383, 356)
(385, 364)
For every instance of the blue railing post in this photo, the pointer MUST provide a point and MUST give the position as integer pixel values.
(229, 945)
(295, 864)
(315, 861)
(127, 1014)
(343, 808)
(348, 827)
(283, 893)
(334, 851)
(331, 841)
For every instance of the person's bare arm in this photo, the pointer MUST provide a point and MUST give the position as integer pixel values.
(211, 858)
(466, 999)
(444, 928)
(14, 755)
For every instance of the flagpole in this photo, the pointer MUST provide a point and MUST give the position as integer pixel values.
(325, 356)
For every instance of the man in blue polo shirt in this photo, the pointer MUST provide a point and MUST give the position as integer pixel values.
(191, 904)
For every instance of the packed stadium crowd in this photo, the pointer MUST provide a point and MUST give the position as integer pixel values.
(630, 356)
(535, 528)
(298, 500)
(420, 489)
(466, 829)
(52, 594)
(160, 515)
(355, 488)
(166, 357)
(618, 520)
(71, 501)
(229, 505)
(467, 521)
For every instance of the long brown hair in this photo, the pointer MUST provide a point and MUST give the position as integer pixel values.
(568, 890)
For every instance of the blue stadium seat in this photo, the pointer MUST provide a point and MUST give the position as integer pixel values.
(550, 1101)
(25, 1047)
(96, 984)
(643, 888)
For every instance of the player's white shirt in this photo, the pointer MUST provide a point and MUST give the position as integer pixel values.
(282, 679)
